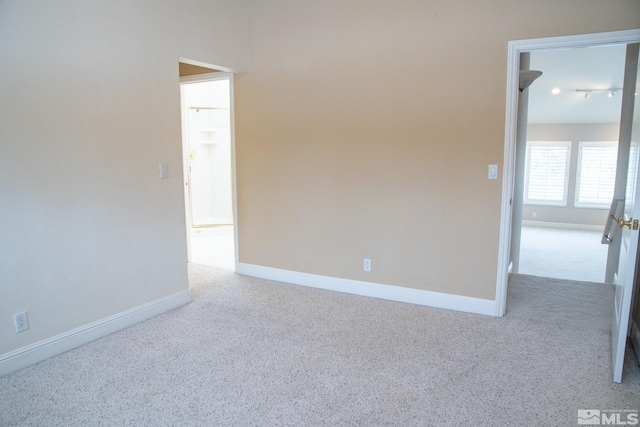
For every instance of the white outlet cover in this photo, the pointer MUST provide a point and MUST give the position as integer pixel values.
(21, 321)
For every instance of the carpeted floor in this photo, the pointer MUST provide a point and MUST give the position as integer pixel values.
(252, 352)
(563, 254)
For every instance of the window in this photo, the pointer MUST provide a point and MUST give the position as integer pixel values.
(596, 176)
(546, 170)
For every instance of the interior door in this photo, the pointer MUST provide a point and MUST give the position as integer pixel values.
(629, 243)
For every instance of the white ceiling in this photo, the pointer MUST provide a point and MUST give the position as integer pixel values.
(568, 70)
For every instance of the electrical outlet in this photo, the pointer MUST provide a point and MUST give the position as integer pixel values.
(367, 264)
(21, 322)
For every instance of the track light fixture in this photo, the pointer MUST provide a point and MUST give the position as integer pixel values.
(611, 91)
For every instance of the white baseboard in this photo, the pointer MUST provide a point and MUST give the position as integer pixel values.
(375, 290)
(635, 338)
(563, 225)
(34, 353)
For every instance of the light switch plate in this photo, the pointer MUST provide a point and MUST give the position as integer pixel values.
(493, 171)
(163, 170)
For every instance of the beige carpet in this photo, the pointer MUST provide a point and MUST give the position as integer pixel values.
(253, 352)
(563, 254)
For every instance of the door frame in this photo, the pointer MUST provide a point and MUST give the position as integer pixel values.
(515, 48)
(199, 78)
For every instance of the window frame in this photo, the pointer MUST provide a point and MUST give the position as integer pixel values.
(589, 205)
(527, 174)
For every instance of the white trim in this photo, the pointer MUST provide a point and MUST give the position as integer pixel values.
(576, 41)
(41, 350)
(234, 192)
(563, 225)
(508, 178)
(514, 48)
(369, 289)
(204, 65)
(186, 190)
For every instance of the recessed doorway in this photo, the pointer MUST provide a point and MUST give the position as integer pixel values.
(206, 105)
(570, 159)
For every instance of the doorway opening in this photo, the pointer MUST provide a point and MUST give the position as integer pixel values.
(509, 205)
(208, 164)
(626, 187)
(570, 160)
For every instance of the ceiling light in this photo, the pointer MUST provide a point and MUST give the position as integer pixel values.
(587, 94)
(611, 93)
(555, 90)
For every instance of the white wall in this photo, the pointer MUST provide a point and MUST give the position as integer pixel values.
(89, 106)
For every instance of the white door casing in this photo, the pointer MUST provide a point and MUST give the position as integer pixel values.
(515, 48)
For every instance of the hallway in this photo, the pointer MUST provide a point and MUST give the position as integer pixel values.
(213, 246)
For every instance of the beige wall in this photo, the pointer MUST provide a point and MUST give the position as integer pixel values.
(574, 133)
(89, 106)
(364, 130)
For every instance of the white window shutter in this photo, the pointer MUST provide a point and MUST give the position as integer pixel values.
(546, 169)
(596, 178)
